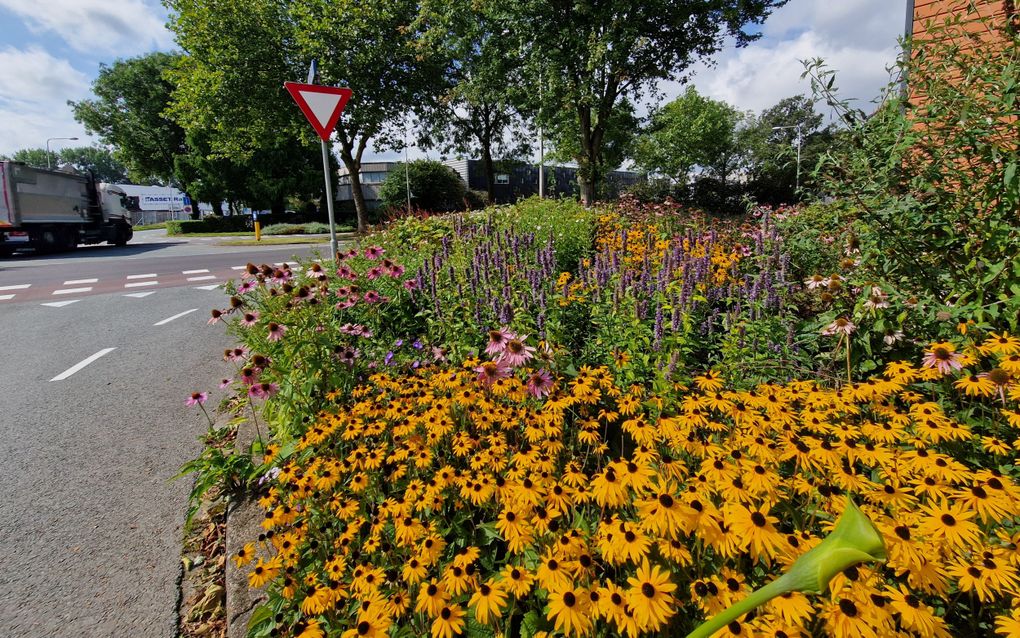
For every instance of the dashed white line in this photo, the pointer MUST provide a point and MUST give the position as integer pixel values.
(78, 366)
(202, 278)
(139, 295)
(60, 304)
(72, 291)
(177, 316)
(146, 276)
(212, 287)
(141, 283)
(238, 267)
(80, 281)
(194, 272)
(6, 297)
(18, 287)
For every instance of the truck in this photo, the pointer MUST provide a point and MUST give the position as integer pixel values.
(54, 210)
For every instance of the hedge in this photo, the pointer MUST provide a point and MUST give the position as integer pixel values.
(211, 224)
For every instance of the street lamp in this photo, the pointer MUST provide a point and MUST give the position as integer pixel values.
(798, 127)
(49, 162)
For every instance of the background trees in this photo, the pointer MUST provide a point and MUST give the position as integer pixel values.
(434, 187)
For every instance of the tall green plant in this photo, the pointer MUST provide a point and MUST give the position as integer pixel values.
(934, 170)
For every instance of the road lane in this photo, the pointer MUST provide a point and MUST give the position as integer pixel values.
(90, 525)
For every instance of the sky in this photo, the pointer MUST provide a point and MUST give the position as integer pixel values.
(51, 51)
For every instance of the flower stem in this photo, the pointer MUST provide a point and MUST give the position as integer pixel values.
(758, 597)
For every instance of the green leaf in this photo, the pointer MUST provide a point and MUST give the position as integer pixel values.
(530, 624)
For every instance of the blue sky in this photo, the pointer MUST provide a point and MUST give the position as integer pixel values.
(51, 50)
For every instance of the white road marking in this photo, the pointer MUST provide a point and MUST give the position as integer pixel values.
(212, 287)
(147, 276)
(280, 263)
(238, 267)
(177, 316)
(71, 291)
(139, 295)
(194, 272)
(61, 304)
(141, 283)
(202, 278)
(80, 281)
(78, 366)
(18, 287)
(6, 297)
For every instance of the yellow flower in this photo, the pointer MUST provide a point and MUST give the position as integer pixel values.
(449, 622)
(650, 596)
(568, 608)
(488, 601)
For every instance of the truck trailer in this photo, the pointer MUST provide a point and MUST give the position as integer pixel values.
(52, 211)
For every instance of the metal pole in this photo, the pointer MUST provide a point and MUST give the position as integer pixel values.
(49, 162)
(541, 143)
(333, 249)
(407, 174)
(798, 157)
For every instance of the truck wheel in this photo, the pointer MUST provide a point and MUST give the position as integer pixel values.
(70, 239)
(124, 234)
(46, 241)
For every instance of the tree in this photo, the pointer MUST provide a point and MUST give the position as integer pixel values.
(129, 113)
(35, 157)
(369, 47)
(691, 131)
(434, 187)
(475, 113)
(773, 147)
(97, 160)
(251, 141)
(618, 142)
(591, 54)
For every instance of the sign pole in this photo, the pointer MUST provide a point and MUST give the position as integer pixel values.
(333, 249)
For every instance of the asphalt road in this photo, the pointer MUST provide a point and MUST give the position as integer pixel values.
(93, 425)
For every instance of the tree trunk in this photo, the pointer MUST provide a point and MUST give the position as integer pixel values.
(353, 167)
(587, 162)
(217, 206)
(490, 174)
(195, 214)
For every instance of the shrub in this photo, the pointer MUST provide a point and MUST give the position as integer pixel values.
(311, 228)
(435, 187)
(209, 224)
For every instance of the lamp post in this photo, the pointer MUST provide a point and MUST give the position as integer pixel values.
(49, 162)
(797, 126)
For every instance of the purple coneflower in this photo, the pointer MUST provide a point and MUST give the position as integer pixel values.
(348, 355)
(374, 272)
(247, 286)
(224, 383)
(491, 371)
(374, 252)
(816, 281)
(263, 390)
(892, 336)
(498, 340)
(438, 354)
(249, 375)
(942, 356)
(411, 284)
(540, 383)
(877, 299)
(516, 352)
(235, 354)
(316, 272)
(345, 304)
(345, 272)
(250, 319)
(276, 331)
(216, 316)
(196, 398)
(841, 326)
(396, 270)
(372, 297)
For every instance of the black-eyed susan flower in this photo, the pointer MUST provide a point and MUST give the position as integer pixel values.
(449, 622)
(569, 611)
(488, 601)
(651, 596)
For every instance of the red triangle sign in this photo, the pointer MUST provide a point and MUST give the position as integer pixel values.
(322, 105)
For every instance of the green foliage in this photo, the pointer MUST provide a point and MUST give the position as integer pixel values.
(84, 159)
(209, 224)
(934, 174)
(435, 187)
(311, 228)
(219, 466)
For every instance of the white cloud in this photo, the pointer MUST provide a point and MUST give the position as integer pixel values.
(125, 27)
(34, 89)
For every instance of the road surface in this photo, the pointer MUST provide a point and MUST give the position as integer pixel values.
(100, 348)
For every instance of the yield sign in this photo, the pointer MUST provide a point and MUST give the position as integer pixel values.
(322, 105)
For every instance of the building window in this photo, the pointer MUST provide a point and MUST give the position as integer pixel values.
(373, 177)
(502, 178)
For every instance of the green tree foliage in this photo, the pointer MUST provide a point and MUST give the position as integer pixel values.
(128, 113)
(369, 47)
(618, 142)
(592, 54)
(251, 141)
(435, 187)
(935, 171)
(95, 159)
(773, 149)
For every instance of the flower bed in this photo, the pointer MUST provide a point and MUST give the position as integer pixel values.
(613, 422)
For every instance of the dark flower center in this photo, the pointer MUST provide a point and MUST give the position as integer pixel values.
(948, 520)
(648, 590)
(758, 519)
(848, 607)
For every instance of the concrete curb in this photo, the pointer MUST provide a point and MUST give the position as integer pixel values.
(243, 526)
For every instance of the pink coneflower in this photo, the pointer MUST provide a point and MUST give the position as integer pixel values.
(196, 398)
(841, 326)
(276, 331)
(498, 340)
(396, 270)
(374, 252)
(249, 375)
(224, 383)
(351, 329)
(216, 316)
(348, 355)
(491, 371)
(516, 352)
(372, 297)
(247, 286)
(345, 272)
(540, 383)
(282, 275)
(316, 272)
(942, 356)
(438, 354)
(345, 304)
(374, 272)
(411, 284)
(235, 354)
(346, 255)
(816, 281)
(249, 319)
(877, 299)
(892, 337)
(263, 390)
